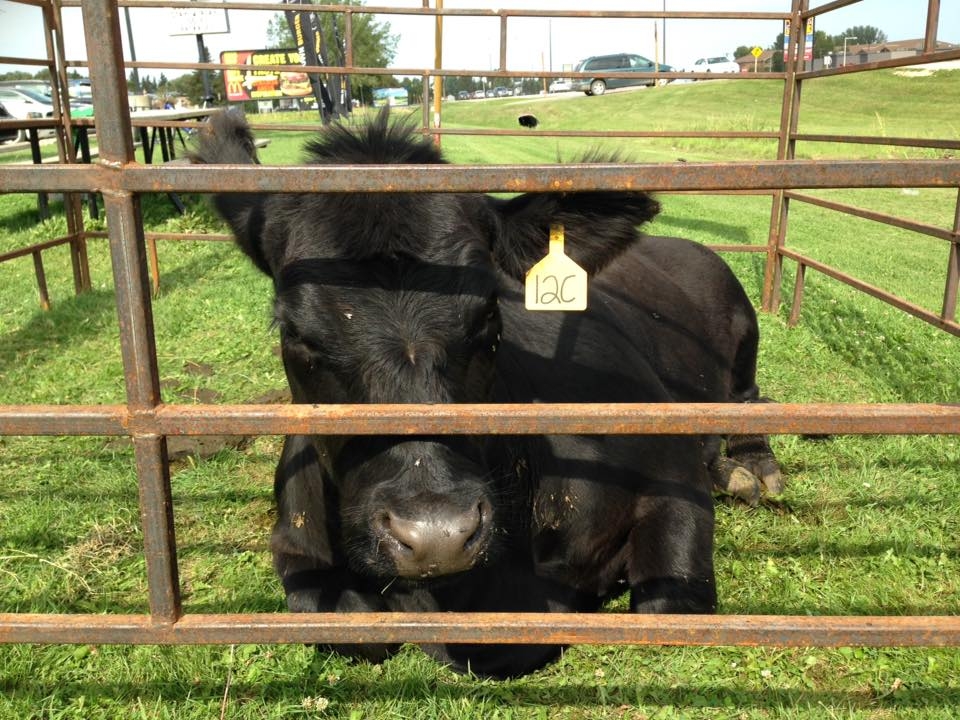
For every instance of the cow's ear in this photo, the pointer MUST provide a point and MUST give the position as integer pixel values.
(226, 138)
(598, 226)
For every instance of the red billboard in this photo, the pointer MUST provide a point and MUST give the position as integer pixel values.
(252, 82)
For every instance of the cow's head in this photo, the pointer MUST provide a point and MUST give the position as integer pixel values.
(393, 298)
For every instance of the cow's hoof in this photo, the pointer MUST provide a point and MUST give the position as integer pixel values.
(753, 453)
(766, 469)
(771, 478)
(733, 479)
(743, 485)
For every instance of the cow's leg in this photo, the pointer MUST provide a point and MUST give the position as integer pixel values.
(747, 469)
(304, 555)
(327, 591)
(671, 555)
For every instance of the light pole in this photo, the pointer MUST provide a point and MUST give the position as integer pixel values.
(850, 37)
(550, 35)
(663, 38)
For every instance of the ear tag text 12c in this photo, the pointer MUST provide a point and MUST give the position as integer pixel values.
(556, 282)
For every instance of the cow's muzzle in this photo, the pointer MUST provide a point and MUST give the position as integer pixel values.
(442, 541)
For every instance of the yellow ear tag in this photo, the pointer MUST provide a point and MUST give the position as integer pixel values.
(556, 282)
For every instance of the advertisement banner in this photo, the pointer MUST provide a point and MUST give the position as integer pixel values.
(306, 34)
(786, 39)
(254, 83)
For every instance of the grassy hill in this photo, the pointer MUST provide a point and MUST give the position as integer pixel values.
(869, 525)
(881, 103)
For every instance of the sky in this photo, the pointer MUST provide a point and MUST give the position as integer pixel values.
(473, 43)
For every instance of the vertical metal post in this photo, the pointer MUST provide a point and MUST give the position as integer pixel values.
(503, 43)
(425, 90)
(53, 19)
(127, 252)
(797, 295)
(933, 20)
(348, 32)
(41, 280)
(773, 269)
(437, 79)
(949, 311)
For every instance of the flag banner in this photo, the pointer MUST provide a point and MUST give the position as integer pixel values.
(306, 34)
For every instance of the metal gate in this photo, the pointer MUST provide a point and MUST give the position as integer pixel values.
(148, 421)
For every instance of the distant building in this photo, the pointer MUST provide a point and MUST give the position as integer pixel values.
(763, 63)
(856, 55)
(877, 52)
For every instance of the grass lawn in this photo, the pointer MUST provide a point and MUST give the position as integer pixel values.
(869, 525)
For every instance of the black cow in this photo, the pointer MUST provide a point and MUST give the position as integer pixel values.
(417, 298)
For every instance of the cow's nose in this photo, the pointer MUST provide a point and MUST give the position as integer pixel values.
(440, 542)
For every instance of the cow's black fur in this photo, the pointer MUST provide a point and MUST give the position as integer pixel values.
(403, 298)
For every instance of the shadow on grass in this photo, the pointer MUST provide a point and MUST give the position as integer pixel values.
(78, 318)
(897, 354)
(25, 219)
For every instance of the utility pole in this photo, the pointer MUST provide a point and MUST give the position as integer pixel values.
(851, 37)
(133, 52)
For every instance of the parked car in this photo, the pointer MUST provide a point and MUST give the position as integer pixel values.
(601, 65)
(27, 104)
(7, 135)
(80, 92)
(560, 85)
(716, 65)
(479, 94)
(501, 91)
(463, 95)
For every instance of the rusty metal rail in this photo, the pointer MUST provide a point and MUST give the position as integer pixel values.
(133, 177)
(487, 628)
(504, 419)
(148, 421)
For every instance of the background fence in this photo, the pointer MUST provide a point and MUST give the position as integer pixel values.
(148, 421)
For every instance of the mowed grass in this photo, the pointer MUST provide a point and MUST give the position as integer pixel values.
(869, 525)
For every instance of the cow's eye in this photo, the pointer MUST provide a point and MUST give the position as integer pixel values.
(301, 344)
(486, 320)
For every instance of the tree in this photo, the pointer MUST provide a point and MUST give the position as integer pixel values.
(776, 62)
(741, 51)
(864, 34)
(823, 44)
(373, 46)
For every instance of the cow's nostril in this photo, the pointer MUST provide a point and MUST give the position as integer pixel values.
(482, 515)
(387, 526)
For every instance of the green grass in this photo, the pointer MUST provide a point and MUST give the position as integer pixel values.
(870, 525)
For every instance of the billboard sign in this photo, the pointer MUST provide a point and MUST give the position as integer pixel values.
(390, 96)
(254, 83)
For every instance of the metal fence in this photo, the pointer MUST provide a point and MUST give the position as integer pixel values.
(148, 421)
